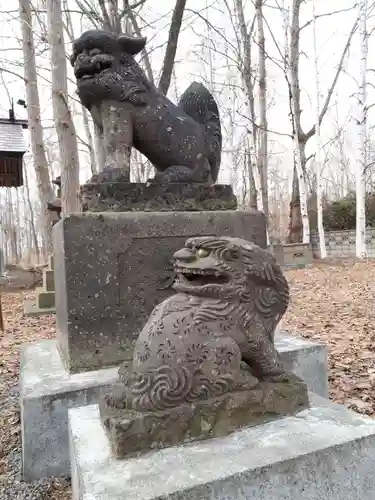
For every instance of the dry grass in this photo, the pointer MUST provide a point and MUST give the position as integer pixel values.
(332, 303)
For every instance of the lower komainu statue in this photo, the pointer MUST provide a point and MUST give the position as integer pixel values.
(205, 363)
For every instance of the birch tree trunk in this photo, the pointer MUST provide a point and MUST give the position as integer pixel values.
(70, 201)
(35, 125)
(299, 143)
(90, 142)
(248, 83)
(361, 251)
(318, 162)
(262, 156)
(300, 138)
(30, 209)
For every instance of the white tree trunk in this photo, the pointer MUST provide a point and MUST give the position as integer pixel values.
(262, 157)
(361, 251)
(248, 83)
(318, 162)
(90, 142)
(66, 134)
(35, 125)
(299, 146)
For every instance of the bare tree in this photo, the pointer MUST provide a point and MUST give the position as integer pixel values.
(318, 162)
(262, 156)
(35, 125)
(248, 80)
(171, 49)
(70, 201)
(361, 251)
(301, 138)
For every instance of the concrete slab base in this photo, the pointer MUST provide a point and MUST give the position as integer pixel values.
(48, 391)
(30, 308)
(325, 452)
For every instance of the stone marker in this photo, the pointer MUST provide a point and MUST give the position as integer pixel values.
(44, 302)
(187, 381)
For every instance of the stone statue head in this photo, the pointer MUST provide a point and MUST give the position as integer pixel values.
(103, 62)
(229, 268)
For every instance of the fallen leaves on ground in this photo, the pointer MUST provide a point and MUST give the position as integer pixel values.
(332, 303)
(18, 330)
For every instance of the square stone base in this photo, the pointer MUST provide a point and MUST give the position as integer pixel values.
(30, 308)
(48, 391)
(325, 452)
(45, 299)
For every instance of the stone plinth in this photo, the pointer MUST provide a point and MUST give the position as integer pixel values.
(131, 431)
(325, 452)
(112, 269)
(117, 196)
(48, 391)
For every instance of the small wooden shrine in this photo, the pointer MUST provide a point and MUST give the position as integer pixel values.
(12, 148)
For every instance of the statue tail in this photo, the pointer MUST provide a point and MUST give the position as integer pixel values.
(199, 104)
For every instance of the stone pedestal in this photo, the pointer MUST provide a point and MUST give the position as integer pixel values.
(110, 193)
(48, 390)
(325, 452)
(44, 302)
(112, 269)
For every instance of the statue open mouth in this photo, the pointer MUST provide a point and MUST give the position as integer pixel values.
(201, 277)
(91, 69)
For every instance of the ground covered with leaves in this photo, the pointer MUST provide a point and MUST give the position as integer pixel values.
(331, 303)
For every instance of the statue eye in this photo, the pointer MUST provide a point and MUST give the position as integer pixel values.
(202, 252)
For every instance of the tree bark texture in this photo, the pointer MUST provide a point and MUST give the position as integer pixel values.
(35, 125)
(66, 134)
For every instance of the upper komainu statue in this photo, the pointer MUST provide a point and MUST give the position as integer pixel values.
(205, 363)
(183, 142)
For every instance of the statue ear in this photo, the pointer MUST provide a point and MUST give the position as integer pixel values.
(131, 45)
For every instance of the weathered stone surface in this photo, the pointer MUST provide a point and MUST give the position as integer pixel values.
(48, 391)
(48, 280)
(30, 308)
(183, 142)
(111, 269)
(44, 299)
(205, 363)
(324, 452)
(130, 431)
(230, 297)
(101, 194)
(51, 262)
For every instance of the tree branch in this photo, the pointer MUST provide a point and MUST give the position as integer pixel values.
(311, 132)
(170, 52)
(326, 15)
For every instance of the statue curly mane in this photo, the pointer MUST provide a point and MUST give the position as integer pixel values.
(254, 288)
(230, 296)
